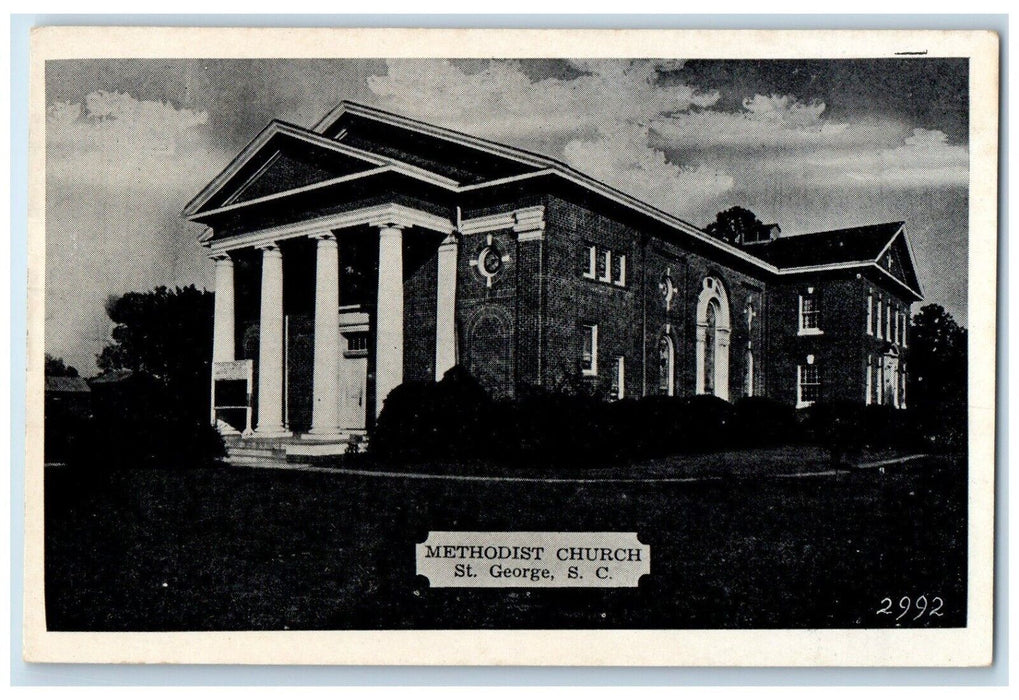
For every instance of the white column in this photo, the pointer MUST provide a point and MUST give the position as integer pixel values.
(223, 318)
(270, 346)
(389, 315)
(325, 407)
(445, 307)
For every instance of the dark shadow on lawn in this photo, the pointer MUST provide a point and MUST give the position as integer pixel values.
(235, 549)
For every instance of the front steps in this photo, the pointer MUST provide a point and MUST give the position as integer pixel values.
(249, 451)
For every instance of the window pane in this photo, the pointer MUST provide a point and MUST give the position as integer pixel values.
(810, 312)
(810, 383)
(589, 351)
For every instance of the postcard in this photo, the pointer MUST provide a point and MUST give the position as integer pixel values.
(511, 347)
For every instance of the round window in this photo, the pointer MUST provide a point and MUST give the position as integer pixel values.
(490, 261)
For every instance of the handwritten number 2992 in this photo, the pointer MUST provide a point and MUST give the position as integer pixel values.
(922, 606)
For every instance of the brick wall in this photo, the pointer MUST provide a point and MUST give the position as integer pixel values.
(840, 351)
(420, 271)
(633, 319)
(486, 313)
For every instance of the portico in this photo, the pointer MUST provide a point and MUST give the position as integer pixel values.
(356, 347)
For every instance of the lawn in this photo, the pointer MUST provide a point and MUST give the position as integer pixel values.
(234, 548)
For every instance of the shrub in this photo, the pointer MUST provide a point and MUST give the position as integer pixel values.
(709, 422)
(762, 422)
(139, 422)
(429, 420)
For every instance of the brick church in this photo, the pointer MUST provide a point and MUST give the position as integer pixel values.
(374, 249)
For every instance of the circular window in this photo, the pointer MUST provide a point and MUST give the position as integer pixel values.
(490, 262)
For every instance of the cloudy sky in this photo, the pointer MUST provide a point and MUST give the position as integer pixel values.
(812, 145)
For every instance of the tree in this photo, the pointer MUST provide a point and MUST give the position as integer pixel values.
(55, 367)
(938, 373)
(166, 334)
(735, 225)
(937, 358)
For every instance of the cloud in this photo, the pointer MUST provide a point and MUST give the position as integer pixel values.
(924, 159)
(778, 136)
(665, 141)
(623, 159)
(503, 102)
(119, 170)
(598, 122)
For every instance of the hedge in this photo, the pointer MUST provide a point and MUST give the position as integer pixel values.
(455, 419)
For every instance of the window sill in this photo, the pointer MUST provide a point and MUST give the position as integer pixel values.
(804, 404)
(603, 281)
(811, 331)
(589, 373)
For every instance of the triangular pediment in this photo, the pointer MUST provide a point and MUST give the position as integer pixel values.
(897, 260)
(280, 159)
(289, 168)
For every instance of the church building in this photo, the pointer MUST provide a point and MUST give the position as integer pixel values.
(374, 249)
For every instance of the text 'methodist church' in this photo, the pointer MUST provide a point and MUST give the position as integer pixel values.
(373, 249)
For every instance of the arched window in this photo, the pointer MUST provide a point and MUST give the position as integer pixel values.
(748, 372)
(710, 336)
(489, 353)
(713, 330)
(666, 365)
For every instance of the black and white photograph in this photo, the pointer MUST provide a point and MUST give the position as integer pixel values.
(682, 340)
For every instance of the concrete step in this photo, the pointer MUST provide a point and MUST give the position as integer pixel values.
(243, 451)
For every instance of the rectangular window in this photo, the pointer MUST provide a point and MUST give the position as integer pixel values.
(869, 380)
(880, 382)
(905, 329)
(810, 314)
(357, 344)
(879, 317)
(870, 314)
(619, 378)
(809, 388)
(592, 261)
(888, 321)
(606, 275)
(895, 327)
(621, 271)
(589, 353)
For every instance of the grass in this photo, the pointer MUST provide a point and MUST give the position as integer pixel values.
(232, 549)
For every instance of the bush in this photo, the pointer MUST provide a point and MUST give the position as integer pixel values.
(139, 422)
(455, 420)
(429, 420)
(762, 422)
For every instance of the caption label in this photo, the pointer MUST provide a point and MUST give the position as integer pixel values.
(533, 559)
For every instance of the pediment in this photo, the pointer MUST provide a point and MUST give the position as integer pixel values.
(289, 168)
(280, 159)
(897, 260)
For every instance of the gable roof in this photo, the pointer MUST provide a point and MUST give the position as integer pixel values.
(856, 244)
(260, 155)
(467, 163)
(884, 246)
